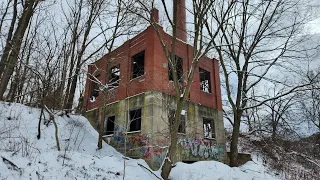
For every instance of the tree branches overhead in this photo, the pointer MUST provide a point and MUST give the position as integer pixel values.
(58, 38)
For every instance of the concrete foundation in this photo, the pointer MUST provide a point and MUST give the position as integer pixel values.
(151, 142)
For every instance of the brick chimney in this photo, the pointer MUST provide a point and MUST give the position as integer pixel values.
(154, 15)
(181, 20)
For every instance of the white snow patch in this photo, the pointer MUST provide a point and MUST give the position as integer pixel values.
(211, 170)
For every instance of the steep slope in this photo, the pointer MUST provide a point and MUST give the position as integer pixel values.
(78, 158)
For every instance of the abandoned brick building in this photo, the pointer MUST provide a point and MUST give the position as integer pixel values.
(140, 99)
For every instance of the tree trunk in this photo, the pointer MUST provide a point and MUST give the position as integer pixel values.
(100, 129)
(39, 123)
(73, 87)
(234, 141)
(171, 158)
(55, 126)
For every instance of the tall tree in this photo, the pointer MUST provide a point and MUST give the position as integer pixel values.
(12, 48)
(256, 37)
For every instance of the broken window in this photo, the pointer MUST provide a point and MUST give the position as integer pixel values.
(205, 84)
(114, 76)
(94, 89)
(109, 125)
(135, 120)
(178, 68)
(208, 128)
(138, 65)
(182, 125)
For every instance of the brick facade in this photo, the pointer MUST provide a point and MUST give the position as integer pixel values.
(155, 76)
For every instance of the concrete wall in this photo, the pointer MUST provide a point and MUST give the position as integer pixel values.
(150, 143)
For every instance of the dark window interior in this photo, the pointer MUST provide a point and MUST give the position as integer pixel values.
(182, 126)
(178, 66)
(109, 125)
(208, 128)
(138, 65)
(135, 120)
(94, 88)
(114, 76)
(205, 84)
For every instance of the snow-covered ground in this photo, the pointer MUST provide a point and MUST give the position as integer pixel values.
(215, 170)
(23, 156)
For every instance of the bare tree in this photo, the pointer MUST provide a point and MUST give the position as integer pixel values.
(110, 19)
(310, 101)
(12, 48)
(256, 37)
(279, 112)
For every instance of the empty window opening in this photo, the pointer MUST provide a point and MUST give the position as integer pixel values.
(109, 125)
(208, 128)
(94, 89)
(182, 125)
(138, 65)
(177, 64)
(205, 84)
(114, 76)
(135, 120)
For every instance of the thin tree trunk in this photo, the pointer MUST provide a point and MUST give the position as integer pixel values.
(55, 126)
(14, 85)
(75, 38)
(101, 126)
(39, 123)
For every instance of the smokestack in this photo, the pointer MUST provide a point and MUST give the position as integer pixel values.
(181, 20)
(154, 15)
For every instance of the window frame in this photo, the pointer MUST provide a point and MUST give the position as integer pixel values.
(139, 73)
(211, 122)
(205, 75)
(94, 87)
(134, 120)
(105, 129)
(114, 81)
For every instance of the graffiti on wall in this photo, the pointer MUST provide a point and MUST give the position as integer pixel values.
(155, 155)
(200, 148)
(132, 141)
(119, 136)
(139, 145)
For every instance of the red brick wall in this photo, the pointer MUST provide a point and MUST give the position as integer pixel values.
(156, 71)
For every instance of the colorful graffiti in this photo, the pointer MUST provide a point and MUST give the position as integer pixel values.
(119, 136)
(142, 146)
(139, 145)
(155, 155)
(200, 148)
(132, 141)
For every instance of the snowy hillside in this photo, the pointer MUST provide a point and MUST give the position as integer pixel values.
(78, 157)
(23, 156)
